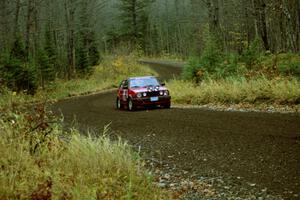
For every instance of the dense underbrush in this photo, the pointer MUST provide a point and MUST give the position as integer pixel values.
(254, 77)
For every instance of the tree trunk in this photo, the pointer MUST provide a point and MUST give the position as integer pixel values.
(261, 23)
(30, 28)
(134, 21)
(264, 32)
(5, 27)
(17, 18)
(213, 12)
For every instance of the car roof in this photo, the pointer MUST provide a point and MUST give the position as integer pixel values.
(140, 77)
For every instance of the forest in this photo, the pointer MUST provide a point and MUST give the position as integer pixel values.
(44, 40)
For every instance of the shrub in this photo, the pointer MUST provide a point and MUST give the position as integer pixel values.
(196, 69)
(289, 64)
(209, 63)
(252, 54)
(212, 55)
(230, 67)
(19, 74)
(192, 69)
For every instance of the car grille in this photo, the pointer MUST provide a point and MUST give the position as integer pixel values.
(153, 94)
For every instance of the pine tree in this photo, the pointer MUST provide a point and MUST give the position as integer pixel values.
(48, 57)
(134, 18)
(18, 74)
(87, 50)
(94, 54)
(82, 60)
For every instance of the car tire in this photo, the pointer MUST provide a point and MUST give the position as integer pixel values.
(119, 105)
(167, 106)
(130, 105)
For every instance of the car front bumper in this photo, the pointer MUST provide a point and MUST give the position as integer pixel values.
(144, 101)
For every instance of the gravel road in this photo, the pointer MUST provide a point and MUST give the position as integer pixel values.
(256, 151)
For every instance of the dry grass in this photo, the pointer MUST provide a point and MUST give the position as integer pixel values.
(233, 91)
(75, 168)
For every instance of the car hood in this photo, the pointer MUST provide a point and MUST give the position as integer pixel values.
(149, 89)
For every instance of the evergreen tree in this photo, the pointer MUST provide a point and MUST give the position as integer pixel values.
(87, 50)
(18, 50)
(134, 19)
(93, 52)
(47, 59)
(82, 60)
(50, 47)
(18, 74)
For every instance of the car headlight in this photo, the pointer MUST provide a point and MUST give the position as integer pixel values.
(166, 93)
(144, 94)
(139, 95)
(161, 93)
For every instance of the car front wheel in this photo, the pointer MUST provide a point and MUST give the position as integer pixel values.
(131, 106)
(118, 104)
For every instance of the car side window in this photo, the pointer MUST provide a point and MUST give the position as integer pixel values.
(125, 85)
(121, 84)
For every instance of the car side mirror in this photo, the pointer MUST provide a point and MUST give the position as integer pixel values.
(163, 84)
(125, 87)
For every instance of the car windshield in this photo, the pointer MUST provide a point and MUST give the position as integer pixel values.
(143, 82)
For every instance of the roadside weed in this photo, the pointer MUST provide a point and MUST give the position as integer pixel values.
(67, 165)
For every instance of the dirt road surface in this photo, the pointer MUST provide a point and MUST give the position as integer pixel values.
(260, 149)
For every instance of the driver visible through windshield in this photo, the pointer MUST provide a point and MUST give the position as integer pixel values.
(143, 82)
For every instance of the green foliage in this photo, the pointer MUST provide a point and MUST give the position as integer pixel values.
(292, 68)
(209, 64)
(213, 64)
(152, 42)
(47, 59)
(251, 56)
(87, 53)
(94, 54)
(49, 46)
(82, 59)
(134, 19)
(18, 73)
(212, 55)
(290, 65)
(45, 67)
(18, 51)
(192, 69)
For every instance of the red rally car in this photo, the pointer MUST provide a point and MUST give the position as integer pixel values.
(142, 91)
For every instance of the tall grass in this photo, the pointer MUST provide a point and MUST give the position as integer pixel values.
(236, 90)
(74, 168)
